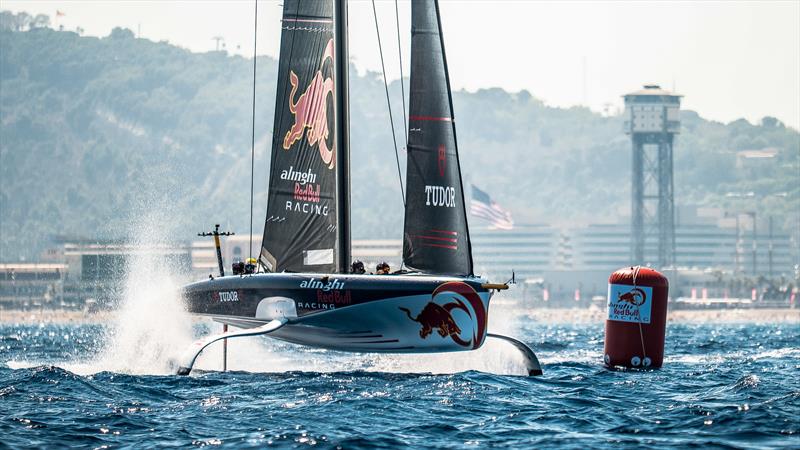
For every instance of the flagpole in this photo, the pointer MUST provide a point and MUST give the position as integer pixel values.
(59, 14)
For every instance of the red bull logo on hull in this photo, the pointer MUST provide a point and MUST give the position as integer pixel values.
(311, 111)
(438, 315)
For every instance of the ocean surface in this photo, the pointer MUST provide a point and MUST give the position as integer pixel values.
(722, 386)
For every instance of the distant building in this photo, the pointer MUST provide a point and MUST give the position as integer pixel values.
(97, 271)
(528, 250)
(576, 261)
(105, 264)
(715, 256)
(31, 285)
(235, 248)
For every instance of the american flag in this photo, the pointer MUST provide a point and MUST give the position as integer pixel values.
(484, 207)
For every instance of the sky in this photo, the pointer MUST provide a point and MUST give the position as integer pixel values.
(728, 59)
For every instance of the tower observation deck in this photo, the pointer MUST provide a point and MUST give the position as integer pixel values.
(652, 119)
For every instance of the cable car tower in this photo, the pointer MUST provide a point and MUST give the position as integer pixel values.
(652, 118)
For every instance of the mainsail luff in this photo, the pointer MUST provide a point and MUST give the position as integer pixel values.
(436, 233)
(301, 231)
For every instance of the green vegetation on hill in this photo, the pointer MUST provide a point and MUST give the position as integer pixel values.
(98, 132)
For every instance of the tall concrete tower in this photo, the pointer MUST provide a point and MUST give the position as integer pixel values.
(652, 118)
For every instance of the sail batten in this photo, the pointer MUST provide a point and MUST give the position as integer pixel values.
(436, 235)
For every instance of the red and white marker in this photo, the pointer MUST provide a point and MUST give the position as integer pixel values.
(637, 318)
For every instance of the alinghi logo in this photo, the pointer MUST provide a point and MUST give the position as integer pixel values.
(311, 283)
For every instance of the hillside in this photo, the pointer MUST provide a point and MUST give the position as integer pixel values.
(98, 132)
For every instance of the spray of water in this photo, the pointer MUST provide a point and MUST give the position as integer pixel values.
(150, 327)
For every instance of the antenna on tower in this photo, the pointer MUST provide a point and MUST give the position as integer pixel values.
(219, 39)
(583, 79)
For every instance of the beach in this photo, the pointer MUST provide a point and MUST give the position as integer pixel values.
(766, 315)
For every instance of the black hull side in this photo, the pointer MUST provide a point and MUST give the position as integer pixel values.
(369, 313)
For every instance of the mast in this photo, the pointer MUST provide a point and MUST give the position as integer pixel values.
(342, 134)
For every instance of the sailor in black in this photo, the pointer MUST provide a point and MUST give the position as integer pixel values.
(357, 268)
(237, 268)
(382, 268)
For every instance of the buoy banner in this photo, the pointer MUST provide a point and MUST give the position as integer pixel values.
(628, 303)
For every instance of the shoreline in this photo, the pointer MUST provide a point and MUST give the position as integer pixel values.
(547, 316)
(597, 315)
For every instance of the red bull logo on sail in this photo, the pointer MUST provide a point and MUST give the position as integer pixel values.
(311, 111)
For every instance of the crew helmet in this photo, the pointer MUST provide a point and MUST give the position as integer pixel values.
(357, 267)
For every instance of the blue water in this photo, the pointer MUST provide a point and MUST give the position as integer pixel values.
(723, 385)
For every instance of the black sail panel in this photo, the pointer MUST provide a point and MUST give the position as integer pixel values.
(301, 232)
(436, 235)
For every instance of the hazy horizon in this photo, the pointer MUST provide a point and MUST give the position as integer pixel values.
(729, 60)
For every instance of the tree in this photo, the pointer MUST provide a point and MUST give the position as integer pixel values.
(8, 22)
(14, 22)
(771, 122)
(111, 124)
(23, 21)
(40, 21)
(121, 33)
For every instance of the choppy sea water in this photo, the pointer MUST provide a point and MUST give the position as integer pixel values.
(722, 385)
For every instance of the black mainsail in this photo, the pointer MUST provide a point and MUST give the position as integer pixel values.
(306, 223)
(436, 235)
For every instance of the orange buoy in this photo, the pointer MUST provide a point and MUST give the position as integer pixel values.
(637, 318)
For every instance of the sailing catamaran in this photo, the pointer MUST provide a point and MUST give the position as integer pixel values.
(303, 292)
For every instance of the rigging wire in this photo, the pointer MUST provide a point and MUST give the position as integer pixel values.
(402, 82)
(389, 103)
(253, 137)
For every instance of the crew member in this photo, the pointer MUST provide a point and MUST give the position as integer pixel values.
(238, 268)
(382, 268)
(250, 266)
(357, 268)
